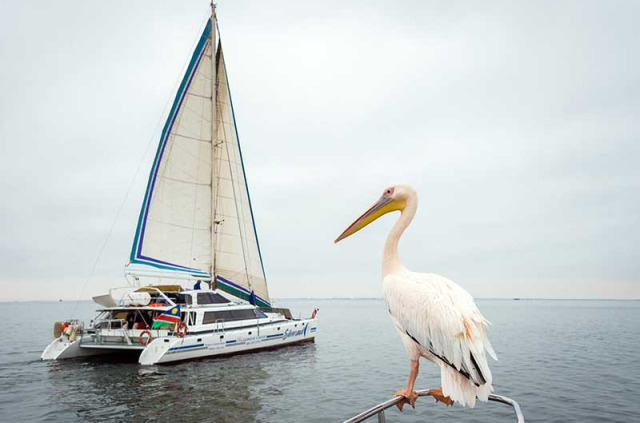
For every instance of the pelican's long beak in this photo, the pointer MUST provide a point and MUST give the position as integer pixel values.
(382, 207)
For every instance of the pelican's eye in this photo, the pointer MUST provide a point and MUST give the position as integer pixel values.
(388, 193)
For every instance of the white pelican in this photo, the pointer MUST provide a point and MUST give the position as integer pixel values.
(435, 318)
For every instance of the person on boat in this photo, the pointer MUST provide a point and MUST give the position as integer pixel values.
(130, 320)
(140, 325)
(252, 298)
(148, 319)
(197, 285)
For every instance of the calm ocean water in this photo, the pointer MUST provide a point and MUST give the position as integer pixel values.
(563, 361)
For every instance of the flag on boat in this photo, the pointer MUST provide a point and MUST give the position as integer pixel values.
(168, 318)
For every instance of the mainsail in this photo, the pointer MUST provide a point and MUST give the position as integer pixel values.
(196, 218)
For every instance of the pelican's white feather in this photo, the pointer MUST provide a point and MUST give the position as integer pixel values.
(446, 323)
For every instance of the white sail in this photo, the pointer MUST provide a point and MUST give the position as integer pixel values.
(174, 228)
(196, 218)
(238, 261)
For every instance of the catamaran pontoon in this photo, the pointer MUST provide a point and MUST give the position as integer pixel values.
(196, 223)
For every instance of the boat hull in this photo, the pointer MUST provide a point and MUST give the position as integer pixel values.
(170, 349)
(61, 348)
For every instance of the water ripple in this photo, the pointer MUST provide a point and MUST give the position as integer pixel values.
(564, 361)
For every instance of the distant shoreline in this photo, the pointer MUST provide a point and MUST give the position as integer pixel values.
(362, 299)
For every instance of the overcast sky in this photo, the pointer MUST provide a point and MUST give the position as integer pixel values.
(516, 121)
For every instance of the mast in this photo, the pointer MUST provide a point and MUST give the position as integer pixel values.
(214, 142)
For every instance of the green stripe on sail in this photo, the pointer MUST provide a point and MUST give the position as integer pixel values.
(240, 294)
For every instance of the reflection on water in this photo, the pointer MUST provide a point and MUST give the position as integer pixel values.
(221, 390)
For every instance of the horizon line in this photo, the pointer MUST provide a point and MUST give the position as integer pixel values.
(368, 298)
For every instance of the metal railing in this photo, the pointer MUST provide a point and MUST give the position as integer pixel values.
(220, 326)
(378, 410)
(126, 336)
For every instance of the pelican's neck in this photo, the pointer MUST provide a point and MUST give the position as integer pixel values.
(390, 260)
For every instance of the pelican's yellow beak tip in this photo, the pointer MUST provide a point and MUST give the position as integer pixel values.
(382, 207)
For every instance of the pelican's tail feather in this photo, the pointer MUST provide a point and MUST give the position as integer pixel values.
(461, 389)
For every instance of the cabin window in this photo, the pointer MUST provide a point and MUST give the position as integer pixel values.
(241, 314)
(211, 298)
(209, 317)
(179, 298)
(188, 317)
(228, 316)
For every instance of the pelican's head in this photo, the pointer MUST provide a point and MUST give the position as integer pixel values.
(392, 199)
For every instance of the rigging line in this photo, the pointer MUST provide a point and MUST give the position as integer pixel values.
(243, 238)
(137, 172)
(233, 185)
(193, 138)
(233, 118)
(225, 145)
(215, 168)
(244, 222)
(216, 145)
(113, 224)
(180, 181)
(215, 184)
(214, 220)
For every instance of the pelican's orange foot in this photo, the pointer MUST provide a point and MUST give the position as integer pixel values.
(439, 396)
(407, 398)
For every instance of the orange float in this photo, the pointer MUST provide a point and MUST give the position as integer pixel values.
(143, 339)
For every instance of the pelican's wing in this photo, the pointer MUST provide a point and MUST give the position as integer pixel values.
(442, 317)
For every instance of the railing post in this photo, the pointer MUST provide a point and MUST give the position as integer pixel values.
(126, 336)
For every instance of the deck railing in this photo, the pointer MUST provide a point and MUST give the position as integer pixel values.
(378, 410)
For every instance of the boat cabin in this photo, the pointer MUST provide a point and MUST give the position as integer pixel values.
(200, 310)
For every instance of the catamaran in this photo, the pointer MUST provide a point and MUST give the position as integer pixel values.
(196, 281)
